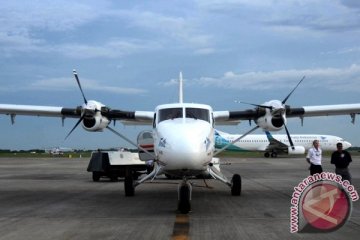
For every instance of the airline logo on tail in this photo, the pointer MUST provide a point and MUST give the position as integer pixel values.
(269, 136)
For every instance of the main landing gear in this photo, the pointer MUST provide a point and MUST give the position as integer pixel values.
(235, 183)
(184, 188)
(272, 154)
(130, 184)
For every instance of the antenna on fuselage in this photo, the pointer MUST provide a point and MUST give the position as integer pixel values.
(180, 88)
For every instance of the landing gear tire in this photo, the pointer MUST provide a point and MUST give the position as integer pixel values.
(129, 186)
(273, 154)
(236, 185)
(113, 178)
(266, 154)
(96, 176)
(184, 205)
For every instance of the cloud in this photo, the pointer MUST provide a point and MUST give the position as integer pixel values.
(320, 16)
(51, 15)
(184, 30)
(204, 51)
(112, 49)
(27, 26)
(338, 79)
(354, 4)
(314, 15)
(34, 27)
(348, 50)
(69, 84)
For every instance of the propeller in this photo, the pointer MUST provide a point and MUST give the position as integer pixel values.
(283, 102)
(256, 105)
(84, 110)
(280, 110)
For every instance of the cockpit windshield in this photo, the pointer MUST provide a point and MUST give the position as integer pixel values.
(198, 113)
(194, 113)
(170, 113)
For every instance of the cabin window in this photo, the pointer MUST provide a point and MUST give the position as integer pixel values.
(198, 113)
(170, 113)
(147, 135)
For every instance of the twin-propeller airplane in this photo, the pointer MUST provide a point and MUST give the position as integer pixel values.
(181, 142)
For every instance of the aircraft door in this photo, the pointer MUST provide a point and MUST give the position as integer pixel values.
(145, 140)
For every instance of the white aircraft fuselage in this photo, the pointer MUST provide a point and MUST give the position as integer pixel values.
(259, 142)
(183, 137)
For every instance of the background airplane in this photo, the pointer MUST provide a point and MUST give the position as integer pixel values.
(275, 144)
(58, 150)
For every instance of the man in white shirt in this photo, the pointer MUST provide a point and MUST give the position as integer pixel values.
(313, 157)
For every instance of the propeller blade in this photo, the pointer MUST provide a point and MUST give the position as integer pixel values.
(78, 82)
(77, 124)
(289, 137)
(258, 105)
(284, 101)
(287, 133)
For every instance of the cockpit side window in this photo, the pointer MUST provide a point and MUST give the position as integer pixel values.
(170, 113)
(198, 113)
(154, 121)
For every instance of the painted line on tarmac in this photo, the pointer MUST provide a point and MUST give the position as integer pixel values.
(181, 227)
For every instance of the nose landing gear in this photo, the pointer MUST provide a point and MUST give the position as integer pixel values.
(184, 197)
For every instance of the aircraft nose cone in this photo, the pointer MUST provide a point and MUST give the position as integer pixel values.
(188, 144)
(347, 145)
(187, 147)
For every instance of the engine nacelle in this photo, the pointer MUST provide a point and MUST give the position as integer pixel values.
(274, 118)
(270, 123)
(96, 123)
(296, 150)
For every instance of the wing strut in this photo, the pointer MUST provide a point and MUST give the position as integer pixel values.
(131, 142)
(236, 140)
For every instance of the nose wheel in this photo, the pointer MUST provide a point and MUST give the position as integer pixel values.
(184, 197)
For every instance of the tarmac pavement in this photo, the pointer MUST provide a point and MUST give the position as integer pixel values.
(55, 198)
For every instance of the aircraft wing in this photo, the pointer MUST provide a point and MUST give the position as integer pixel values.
(324, 110)
(129, 117)
(32, 110)
(306, 111)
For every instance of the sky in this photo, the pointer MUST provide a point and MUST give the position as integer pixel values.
(128, 55)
